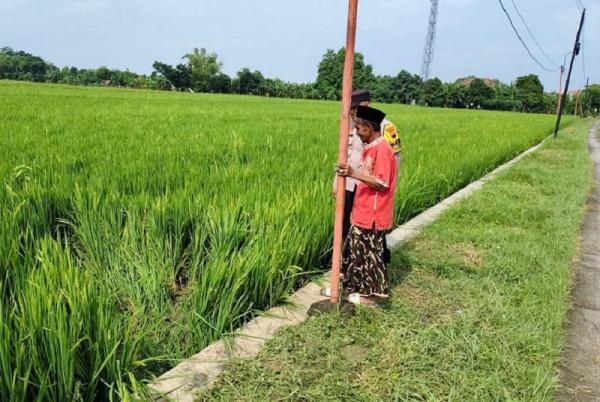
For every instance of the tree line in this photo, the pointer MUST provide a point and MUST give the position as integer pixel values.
(201, 71)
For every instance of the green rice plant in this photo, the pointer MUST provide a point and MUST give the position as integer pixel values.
(136, 227)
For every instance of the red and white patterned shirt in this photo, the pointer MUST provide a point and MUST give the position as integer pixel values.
(372, 208)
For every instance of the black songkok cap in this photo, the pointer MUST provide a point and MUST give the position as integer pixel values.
(370, 114)
(360, 95)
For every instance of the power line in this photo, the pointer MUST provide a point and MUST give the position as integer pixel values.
(531, 34)
(522, 42)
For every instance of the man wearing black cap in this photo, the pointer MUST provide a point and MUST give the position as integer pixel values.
(364, 273)
(362, 97)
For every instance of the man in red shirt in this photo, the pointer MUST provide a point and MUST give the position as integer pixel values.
(364, 274)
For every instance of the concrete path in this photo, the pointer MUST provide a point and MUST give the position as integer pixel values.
(580, 371)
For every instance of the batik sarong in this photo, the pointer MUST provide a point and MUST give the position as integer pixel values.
(363, 269)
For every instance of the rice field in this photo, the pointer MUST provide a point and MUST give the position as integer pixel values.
(136, 227)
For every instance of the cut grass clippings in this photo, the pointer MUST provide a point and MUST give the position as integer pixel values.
(477, 308)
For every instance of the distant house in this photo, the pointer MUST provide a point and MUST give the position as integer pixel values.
(106, 83)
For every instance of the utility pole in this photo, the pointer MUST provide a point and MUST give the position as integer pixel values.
(576, 48)
(562, 71)
(343, 148)
(577, 104)
(587, 84)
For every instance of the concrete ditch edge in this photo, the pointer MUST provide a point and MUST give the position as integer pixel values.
(183, 381)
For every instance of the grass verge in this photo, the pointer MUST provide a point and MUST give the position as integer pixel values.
(477, 307)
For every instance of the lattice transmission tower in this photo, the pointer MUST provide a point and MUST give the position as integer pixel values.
(429, 41)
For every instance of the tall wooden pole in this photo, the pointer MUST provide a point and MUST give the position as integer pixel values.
(576, 48)
(562, 71)
(587, 84)
(343, 148)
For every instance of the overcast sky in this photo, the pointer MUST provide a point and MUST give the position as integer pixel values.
(286, 39)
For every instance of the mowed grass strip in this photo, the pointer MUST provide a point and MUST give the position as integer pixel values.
(477, 310)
